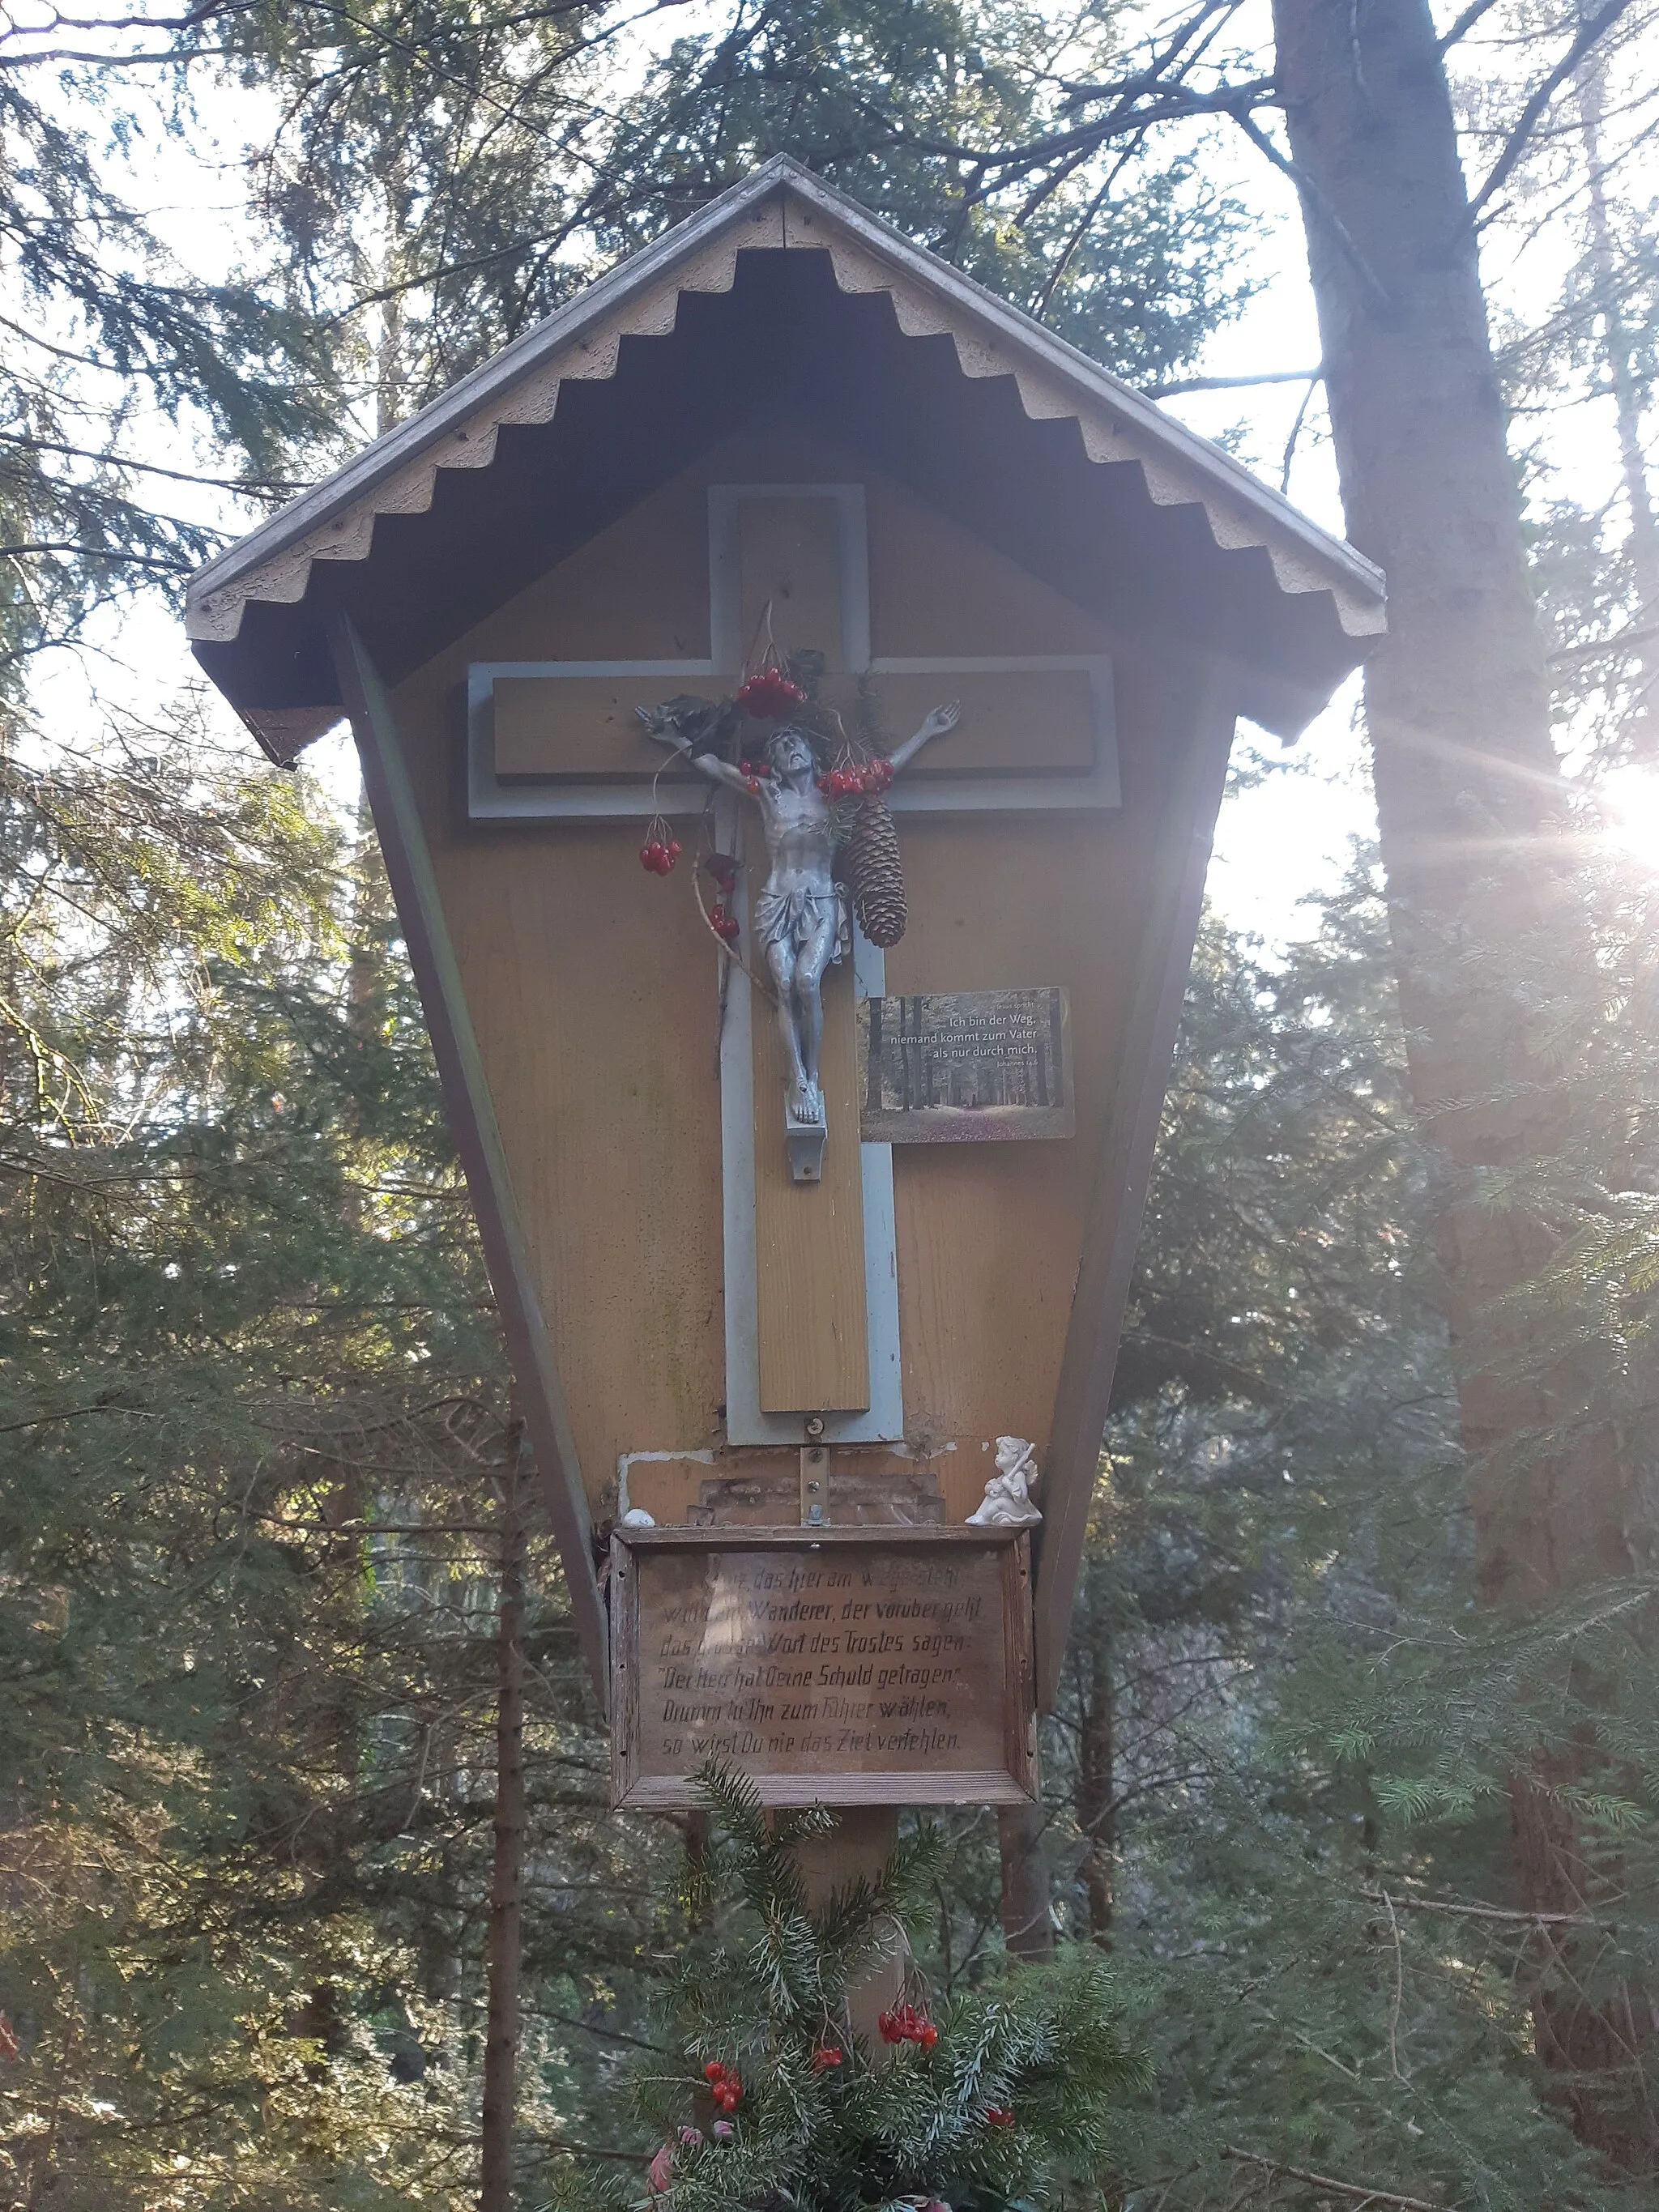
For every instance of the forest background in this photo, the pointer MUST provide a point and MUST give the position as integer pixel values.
(268, 1570)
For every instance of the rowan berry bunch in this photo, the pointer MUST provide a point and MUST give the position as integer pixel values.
(724, 2085)
(661, 848)
(770, 695)
(722, 869)
(852, 779)
(904, 2024)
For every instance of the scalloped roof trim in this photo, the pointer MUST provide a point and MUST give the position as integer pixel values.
(781, 206)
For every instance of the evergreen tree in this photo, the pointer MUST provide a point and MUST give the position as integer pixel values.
(998, 2095)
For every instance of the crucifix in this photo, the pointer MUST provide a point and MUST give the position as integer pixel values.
(810, 1243)
(801, 918)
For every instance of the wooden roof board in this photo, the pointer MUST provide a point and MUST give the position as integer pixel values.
(567, 426)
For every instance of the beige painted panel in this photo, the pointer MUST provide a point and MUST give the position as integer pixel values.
(988, 1247)
(1036, 722)
(1040, 721)
(594, 992)
(809, 1237)
(936, 589)
(579, 725)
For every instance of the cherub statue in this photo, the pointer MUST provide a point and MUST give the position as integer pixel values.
(1007, 1500)
(797, 912)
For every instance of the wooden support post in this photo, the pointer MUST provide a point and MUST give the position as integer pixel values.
(862, 1843)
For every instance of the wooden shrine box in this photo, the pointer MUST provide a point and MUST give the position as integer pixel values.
(782, 408)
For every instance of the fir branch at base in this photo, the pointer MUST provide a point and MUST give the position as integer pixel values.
(1365, 2194)
(466, 2140)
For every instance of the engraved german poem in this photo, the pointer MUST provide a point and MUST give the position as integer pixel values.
(823, 1661)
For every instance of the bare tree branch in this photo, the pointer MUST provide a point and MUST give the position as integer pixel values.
(1324, 2181)
(1235, 383)
(1466, 22)
(1483, 1911)
(271, 484)
(1011, 160)
(99, 553)
(1315, 201)
(1592, 28)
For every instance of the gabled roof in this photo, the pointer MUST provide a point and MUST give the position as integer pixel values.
(254, 612)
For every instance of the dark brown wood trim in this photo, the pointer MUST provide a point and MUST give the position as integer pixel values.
(1019, 1720)
(1112, 1227)
(666, 1793)
(472, 1118)
(625, 1675)
(921, 1536)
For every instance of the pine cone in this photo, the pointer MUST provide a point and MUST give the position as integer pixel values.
(875, 874)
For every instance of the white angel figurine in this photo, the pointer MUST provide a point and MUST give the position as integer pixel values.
(1007, 1500)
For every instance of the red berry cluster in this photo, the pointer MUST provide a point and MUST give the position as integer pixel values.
(723, 2085)
(824, 2057)
(770, 696)
(1000, 2116)
(723, 924)
(906, 2025)
(658, 854)
(858, 780)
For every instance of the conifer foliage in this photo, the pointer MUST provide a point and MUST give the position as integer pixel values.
(1009, 2089)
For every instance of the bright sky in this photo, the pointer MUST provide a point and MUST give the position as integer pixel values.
(1278, 842)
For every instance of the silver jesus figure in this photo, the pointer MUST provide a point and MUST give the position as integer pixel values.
(798, 913)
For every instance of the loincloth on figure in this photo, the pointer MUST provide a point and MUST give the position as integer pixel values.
(794, 918)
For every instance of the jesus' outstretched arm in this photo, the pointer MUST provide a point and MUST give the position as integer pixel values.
(709, 764)
(941, 719)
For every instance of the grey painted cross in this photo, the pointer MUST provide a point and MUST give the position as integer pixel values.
(544, 737)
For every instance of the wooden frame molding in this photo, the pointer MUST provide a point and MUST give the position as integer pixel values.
(863, 1606)
(472, 1118)
(1112, 1225)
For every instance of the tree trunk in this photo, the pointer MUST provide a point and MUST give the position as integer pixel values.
(1028, 1929)
(1619, 350)
(1470, 802)
(1097, 1785)
(507, 1874)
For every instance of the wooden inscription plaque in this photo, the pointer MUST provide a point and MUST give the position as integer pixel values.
(841, 1666)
